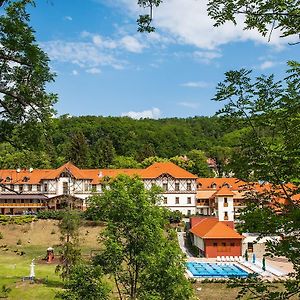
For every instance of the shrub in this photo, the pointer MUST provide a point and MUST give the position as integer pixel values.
(52, 231)
(19, 242)
(1, 235)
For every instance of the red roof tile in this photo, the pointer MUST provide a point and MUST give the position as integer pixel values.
(214, 229)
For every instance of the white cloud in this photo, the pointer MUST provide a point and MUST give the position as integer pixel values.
(93, 71)
(132, 44)
(75, 72)
(68, 18)
(187, 21)
(189, 104)
(206, 56)
(195, 84)
(267, 65)
(83, 54)
(153, 113)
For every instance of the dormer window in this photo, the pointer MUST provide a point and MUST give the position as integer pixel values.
(25, 179)
(213, 186)
(7, 179)
(226, 184)
(199, 185)
(65, 174)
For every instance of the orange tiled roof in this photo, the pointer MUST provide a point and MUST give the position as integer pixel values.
(213, 229)
(68, 167)
(22, 177)
(159, 168)
(234, 183)
(94, 175)
(224, 191)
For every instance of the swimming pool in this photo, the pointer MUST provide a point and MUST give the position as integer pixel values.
(199, 269)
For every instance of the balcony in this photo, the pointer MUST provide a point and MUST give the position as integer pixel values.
(22, 204)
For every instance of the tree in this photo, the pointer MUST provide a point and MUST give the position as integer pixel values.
(24, 69)
(78, 150)
(85, 282)
(104, 153)
(70, 251)
(269, 152)
(135, 243)
(124, 162)
(262, 15)
(200, 166)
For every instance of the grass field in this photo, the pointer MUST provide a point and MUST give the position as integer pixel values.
(35, 239)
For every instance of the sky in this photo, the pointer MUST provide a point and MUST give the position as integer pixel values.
(105, 67)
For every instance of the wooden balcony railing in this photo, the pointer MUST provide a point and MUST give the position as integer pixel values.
(22, 204)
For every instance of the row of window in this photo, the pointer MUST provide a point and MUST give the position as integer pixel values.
(223, 244)
(177, 187)
(188, 200)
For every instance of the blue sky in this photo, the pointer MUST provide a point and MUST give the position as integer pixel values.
(105, 67)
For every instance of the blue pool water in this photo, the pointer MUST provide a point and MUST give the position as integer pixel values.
(199, 269)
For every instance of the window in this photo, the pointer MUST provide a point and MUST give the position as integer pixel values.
(176, 186)
(165, 200)
(87, 187)
(231, 244)
(165, 187)
(38, 188)
(189, 200)
(20, 188)
(188, 186)
(250, 247)
(199, 185)
(223, 244)
(7, 179)
(25, 179)
(65, 188)
(22, 200)
(225, 215)
(12, 187)
(225, 202)
(198, 201)
(214, 186)
(177, 200)
(189, 212)
(215, 244)
(45, 187)
(29, 187)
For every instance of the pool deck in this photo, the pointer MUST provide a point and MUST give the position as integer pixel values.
(277, 268)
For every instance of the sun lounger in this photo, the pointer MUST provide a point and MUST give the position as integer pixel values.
(231, 258)
(241, 259)
(236, 258)
(218, 258)
(227, 258)
(223, 258)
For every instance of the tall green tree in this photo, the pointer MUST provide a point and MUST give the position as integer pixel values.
(70, 253)
(136, 246)
(85, 282)
(78, 150)
(269, 152)
(24, 69)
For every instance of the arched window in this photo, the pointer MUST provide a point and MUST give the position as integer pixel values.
(214, 186)
(7, 179)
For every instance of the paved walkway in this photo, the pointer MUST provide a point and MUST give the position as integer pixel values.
(181, 236)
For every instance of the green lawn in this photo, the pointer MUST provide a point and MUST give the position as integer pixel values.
(13, 267)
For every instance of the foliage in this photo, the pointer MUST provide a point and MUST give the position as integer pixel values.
(262, 15)
(70, 253)
(5, 291)
(85, 282)
(269, 152)
(135, 245)
(50, 214)
(18, 220)
(24, 69)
